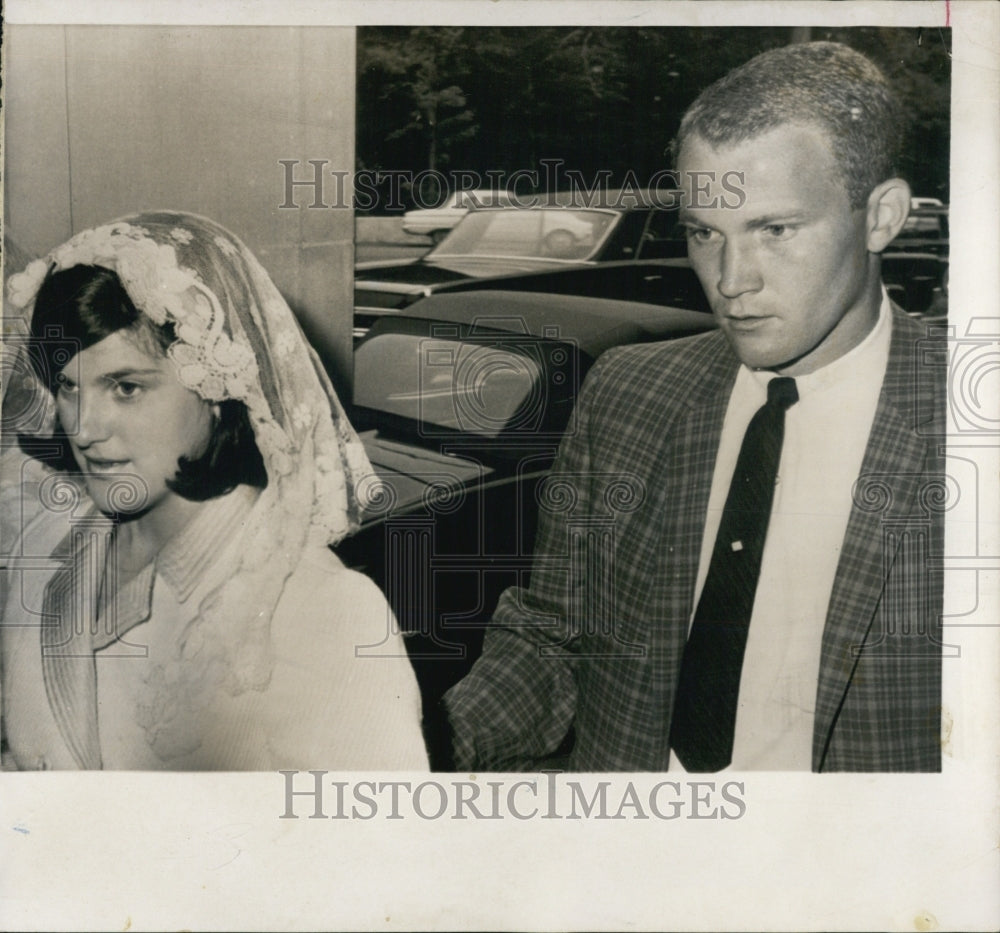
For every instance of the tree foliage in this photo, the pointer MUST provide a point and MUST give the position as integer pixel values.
(598, 99)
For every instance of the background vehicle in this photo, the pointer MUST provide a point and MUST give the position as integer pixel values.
(462, 400)
(560, 232)
(925, 231)
(634, 251)
(915, 264)
(435, 222)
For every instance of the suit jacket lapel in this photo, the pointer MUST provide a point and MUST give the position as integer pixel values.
(892, 473)
(688, 455)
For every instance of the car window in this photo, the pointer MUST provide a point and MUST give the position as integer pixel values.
(476, 388)
(627, 237)
(484, 198)
(663, 238)
(915, 225)
(541, 233)
(923, 226)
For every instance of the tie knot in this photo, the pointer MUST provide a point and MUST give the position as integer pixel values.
(781, 391)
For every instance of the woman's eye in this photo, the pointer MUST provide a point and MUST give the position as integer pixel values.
(127, 389)
(65, 385)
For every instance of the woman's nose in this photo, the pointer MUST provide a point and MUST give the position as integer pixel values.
(90, 419)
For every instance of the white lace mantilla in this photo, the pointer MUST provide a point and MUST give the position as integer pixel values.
(236, 339)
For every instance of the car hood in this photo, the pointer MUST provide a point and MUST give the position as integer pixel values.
(422, 274)
(410, 476)
(592, 324)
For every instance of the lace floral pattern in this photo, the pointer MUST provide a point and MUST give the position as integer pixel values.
(209, 361)
(236, 339)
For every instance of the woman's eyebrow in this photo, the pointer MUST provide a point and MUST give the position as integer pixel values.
(130, 372)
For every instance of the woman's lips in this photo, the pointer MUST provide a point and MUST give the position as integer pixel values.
(100, 465)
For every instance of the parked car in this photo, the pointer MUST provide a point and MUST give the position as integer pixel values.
(560, 232)
(436, 222)
(625, 247)
(925, 231)
(667, 282)
(462, 400)
(915, 264)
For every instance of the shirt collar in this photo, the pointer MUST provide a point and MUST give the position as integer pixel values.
(868, 357)
(184, 558)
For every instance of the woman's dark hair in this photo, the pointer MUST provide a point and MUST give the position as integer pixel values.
(78, 307)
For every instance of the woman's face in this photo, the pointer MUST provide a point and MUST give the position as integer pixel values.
(128, 421)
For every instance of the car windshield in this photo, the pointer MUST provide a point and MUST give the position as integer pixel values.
(922, 225)
(550, 233)
(477, 199)
(478, 388)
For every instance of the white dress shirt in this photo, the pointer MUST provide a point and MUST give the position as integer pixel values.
(826, 433)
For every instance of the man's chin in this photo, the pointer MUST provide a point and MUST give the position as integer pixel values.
(755, 352)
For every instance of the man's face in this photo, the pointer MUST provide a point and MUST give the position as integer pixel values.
(785, 265)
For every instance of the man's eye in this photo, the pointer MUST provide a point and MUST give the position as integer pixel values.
(778, 231)
(699, 234)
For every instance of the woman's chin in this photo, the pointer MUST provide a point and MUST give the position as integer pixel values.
(121, 496)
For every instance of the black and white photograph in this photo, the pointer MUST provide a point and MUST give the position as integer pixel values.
(500, 465)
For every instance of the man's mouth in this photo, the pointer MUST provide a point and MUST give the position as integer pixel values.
(745, 322)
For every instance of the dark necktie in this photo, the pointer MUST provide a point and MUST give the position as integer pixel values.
(704, 715)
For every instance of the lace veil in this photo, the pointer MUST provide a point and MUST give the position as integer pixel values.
(236, 339)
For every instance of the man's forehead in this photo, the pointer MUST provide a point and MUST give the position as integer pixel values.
(780, 170)
(794, 133)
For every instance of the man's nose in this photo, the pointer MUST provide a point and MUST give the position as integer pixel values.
(739, 272)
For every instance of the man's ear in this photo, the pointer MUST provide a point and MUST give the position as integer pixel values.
(888, 208)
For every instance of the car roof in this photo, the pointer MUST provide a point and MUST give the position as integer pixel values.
(630, 197)
(928, 210)
(595, 324)
(606, 198)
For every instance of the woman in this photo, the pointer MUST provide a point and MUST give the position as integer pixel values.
(172, 602)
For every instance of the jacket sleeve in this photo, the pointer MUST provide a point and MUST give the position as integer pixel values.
(328, 704)
(518, 702)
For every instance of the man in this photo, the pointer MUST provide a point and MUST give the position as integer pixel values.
(658, 625)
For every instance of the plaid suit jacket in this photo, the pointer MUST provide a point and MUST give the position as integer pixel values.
(595, 641)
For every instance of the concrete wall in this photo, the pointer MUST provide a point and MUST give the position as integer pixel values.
(106, 120)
